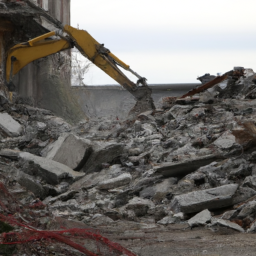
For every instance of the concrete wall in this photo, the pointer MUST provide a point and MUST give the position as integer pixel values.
(117, 102)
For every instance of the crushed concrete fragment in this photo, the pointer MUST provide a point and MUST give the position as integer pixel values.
(119, 181)
(250, 181)
(139, 206)
(202, 218)
(225, 141)
(32, 185)
(9, 126)
(167, 220)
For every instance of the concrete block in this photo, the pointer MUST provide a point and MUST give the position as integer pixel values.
(197, 201)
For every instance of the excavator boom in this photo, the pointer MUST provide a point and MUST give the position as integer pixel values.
(22, 54)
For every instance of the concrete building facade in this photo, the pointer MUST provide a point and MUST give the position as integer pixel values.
(45, 82)
(59, 9)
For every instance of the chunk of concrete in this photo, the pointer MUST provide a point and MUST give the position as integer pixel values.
(158, 191)
(9, 153)
(102, 153)
(119, 181)
(51, 171)
(200, 219)
(225, 141)
(252, 228)
(226, 223)
(167, 220)
(140, 206)
(9, 126)
(93, 179)
(196, 201)
(229, 215)
(185, 167)
(242, 194)
(71, 151)
(250, 181)
(32, 185)
(247, 210)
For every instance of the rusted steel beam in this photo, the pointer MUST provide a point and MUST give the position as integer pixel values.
(234, 74)
(206, 86)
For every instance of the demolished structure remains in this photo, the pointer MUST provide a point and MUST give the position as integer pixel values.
(178, 180)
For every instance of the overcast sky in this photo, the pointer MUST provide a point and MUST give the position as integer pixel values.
(171, 41)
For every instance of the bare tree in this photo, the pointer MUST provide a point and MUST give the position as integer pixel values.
(79, 67)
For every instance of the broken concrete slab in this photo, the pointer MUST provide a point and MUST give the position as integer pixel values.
(226, 223)
(9, 126)
(183, 168)
(50, 151)
(121, 180)
(102, 153)
(71, 151)
(51, 171)
(12, 154)
(93, 179)
(200, 219)
(196, 201)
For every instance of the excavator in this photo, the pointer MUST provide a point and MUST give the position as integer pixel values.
(53, 42)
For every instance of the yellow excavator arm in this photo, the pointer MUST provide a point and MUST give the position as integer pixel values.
(22, 54)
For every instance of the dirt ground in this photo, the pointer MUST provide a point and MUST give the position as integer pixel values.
(179, 240)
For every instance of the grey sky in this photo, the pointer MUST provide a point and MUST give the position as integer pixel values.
(171, 41)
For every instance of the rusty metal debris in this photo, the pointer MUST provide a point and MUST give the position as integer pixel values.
(233, 74)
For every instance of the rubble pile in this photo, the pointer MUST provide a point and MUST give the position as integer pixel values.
(193, 161)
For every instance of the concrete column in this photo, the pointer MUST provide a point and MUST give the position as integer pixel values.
(55, 8)
(60, 9)
(66, 12)
(45, 5)
(1, 57)
(42, 83)
(6, 28)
